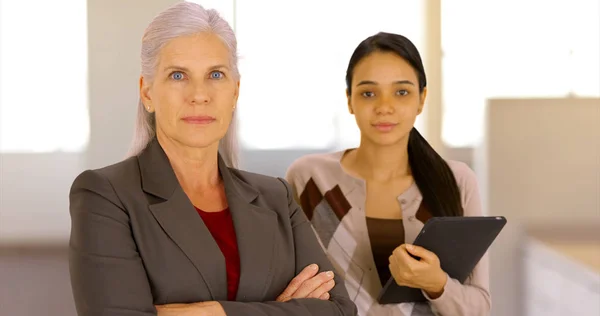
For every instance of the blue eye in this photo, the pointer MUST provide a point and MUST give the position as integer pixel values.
(177, 75)
(216, 75)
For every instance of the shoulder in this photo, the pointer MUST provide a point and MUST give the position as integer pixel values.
(102, 180)
(98, 190)
(463, 174)
(306, 166)
(468, 186)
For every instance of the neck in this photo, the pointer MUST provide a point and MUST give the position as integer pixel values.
(195, 168)
(382, 163)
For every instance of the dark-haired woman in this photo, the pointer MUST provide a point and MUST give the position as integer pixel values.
(367, 204)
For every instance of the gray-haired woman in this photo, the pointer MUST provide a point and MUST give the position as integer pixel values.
(174, 229)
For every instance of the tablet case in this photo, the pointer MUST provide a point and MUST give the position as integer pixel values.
(459, 243)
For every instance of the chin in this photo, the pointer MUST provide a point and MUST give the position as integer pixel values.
(198, 142)
(387, 139)
(385, 143)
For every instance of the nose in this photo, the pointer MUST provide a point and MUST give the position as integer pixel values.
(384, 106)
(200, 93)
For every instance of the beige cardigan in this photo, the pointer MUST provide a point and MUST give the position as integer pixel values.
(334, 202)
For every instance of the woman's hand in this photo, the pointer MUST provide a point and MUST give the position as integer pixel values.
(425, 274)
(309, 284)
(193, 309)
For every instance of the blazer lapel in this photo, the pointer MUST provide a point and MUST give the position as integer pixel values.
(255, 229)
(179, 219)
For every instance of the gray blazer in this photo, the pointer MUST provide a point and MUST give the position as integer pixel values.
(137, 241)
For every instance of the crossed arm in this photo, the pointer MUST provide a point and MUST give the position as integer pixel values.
(103, 254)
(307, 284)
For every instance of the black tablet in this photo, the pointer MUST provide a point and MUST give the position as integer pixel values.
(459, 243)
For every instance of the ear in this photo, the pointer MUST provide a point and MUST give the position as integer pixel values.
(237, 92)
(423, 96)
(349, 103)
(145, 94)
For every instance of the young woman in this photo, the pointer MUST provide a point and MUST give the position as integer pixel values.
(367, 204)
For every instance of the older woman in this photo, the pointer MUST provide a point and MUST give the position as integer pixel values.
(174, 229)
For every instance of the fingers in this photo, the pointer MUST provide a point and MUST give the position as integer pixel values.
(403, 266)
(396, 274)
(410, 272)
(402, 257)
(399, 265)
(307, 273)
(322, 290)
(422, 253)
(313, 284)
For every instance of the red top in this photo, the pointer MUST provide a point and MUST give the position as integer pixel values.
(220, 225)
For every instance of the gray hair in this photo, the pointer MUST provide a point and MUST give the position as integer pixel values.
(182, 19)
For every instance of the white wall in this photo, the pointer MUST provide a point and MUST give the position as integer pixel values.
(34, 188)
(34, 192)
(540, 166)
(114, 71)
(544, 159)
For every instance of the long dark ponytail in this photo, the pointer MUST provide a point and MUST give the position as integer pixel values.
(432, 174)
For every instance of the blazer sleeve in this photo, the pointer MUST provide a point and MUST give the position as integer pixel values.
(308, 251)
(107, 274)
(472, 297)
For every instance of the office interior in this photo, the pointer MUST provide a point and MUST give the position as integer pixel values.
(514, 92)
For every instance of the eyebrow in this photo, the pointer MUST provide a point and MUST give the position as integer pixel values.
(184, 69)
(366, 82)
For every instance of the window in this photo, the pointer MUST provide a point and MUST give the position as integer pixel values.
(43, 82)
(293, 59)
(515, 49)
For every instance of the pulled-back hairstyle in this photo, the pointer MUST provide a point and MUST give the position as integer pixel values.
(182, 19)
(432, 174)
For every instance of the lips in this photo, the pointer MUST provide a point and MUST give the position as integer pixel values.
(384, 126)
(199, 119)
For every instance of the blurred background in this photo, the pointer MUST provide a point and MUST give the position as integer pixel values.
(514, 91)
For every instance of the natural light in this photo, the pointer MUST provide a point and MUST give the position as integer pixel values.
(293, 62)
(514, 49)
(293, 66)
(43, 82)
